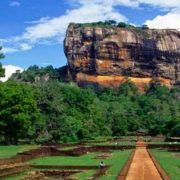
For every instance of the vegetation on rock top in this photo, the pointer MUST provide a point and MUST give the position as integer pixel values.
(108, 24)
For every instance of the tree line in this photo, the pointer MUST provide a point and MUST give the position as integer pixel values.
(53, 111)
(110, 23)
(49, 110)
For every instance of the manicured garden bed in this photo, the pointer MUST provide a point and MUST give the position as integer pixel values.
(116, 162)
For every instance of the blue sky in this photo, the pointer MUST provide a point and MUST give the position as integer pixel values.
(32, 31)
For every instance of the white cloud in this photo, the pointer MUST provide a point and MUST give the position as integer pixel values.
(48, 30)
(52, 30)
(170, 20)
(14, 3)
(19, 47)
(25, 47)
(132, 3)
(9, 70)
(8, 50)
(41, 20)
(161, 3)
(55, 27)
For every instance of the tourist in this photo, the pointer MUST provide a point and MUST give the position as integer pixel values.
(101, 165)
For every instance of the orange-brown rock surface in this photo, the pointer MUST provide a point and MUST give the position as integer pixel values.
(110, 56)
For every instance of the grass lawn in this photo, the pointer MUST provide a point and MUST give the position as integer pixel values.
(169, 161)
(117, 160)
(12, 150)
(86, 159)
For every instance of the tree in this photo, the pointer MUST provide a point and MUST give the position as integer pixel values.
(79, 106)
(175, 131)
(160, 91)
(145, 26)
(61, 106)
(117, 117)
(50, 102)
(122, 25)
(35, 73)
(128, 89)
(2, 70)
(72, 113)
(19, 115)
(110, 22)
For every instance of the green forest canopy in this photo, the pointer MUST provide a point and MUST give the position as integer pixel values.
(49, 110)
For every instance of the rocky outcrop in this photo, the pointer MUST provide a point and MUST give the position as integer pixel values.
(110, 56)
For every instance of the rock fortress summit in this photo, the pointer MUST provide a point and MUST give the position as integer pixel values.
(109, 56)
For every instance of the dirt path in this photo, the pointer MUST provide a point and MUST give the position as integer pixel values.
(142, 167)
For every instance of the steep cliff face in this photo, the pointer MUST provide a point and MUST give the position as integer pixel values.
(110, 56)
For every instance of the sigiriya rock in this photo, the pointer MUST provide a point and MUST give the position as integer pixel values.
(109, 56)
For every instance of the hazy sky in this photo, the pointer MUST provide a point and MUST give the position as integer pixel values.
(32, 31)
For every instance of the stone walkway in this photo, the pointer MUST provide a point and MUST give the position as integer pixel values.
(142, 167)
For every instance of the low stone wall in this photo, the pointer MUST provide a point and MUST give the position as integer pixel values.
(28, 155)
(68, 170)
(172, 147)
(12, 170)
(101, 148)
(60, 173)
(111, 147)
(157, 138)
(64, 167)
(83, 150)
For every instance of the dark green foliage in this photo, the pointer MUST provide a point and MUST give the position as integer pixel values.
(128, 89)
(175, 131)
(19, 115)
(106, 24)
(145, 26)
(36, 74)
(59, 108)
(122, 25)
(70, 113)
(2, 70)
(110, 22)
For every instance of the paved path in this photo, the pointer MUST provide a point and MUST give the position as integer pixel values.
(142, 167)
